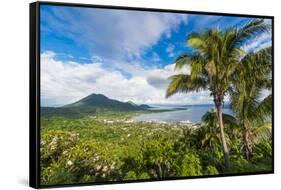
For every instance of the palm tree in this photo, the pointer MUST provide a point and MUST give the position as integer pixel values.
(207, 135)
(215, 56)
(210, 133)
(252, 76)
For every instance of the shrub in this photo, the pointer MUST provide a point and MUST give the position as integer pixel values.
(56, 174)
(191, 165)
(211, 170)
(144, 175)
(54, 143)
(131, 175)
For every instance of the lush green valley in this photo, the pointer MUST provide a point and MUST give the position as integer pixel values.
(114, 148)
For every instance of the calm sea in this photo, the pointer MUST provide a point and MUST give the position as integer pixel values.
(193, 113)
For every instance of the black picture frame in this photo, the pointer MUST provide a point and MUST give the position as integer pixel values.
(34, 90)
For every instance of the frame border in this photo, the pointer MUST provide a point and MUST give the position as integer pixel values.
(34, 91)
(34, 95)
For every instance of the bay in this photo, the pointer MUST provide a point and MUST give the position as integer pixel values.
(191, 114)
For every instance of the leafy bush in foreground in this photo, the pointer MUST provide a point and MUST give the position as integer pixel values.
(90, 150)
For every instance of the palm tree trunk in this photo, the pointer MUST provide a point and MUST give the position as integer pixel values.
(160, 175)
(224, 145)
(246, 139)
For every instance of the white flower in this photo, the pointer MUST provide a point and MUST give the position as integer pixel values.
(112, 166)
(69, 163)
(98, 167)
(53, 142)
(104, 169)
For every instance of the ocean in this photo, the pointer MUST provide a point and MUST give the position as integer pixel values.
(192, 114)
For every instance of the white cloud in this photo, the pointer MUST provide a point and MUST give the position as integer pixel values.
(112, 34)
(66, 82)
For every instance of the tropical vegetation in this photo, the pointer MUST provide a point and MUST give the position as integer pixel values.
(96, 139)
(219, 64)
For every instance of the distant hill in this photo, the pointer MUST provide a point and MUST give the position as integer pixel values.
(132, 103)
(144, 106)
(91, 105)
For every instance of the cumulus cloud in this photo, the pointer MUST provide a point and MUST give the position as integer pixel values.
(64, 82)
(112, 34)
(158, 77)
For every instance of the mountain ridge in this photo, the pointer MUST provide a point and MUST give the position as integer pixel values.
(91, 105)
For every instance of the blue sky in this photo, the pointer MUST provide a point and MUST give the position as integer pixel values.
(138, 47)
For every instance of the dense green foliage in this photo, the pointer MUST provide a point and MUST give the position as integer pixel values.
(220, 64)
(95, 140)
(114, 149)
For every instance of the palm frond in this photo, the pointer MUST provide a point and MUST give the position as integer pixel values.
(263, 148)
(197, 64)
(263, 111)
(210, 117)
(184, 83)
(263, 132)
(249, 30)
(181, 61)
(252, 75)
(196, 40)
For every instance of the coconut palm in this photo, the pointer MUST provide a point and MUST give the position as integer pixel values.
(252, 76)
(215, 56)
(210, 133)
